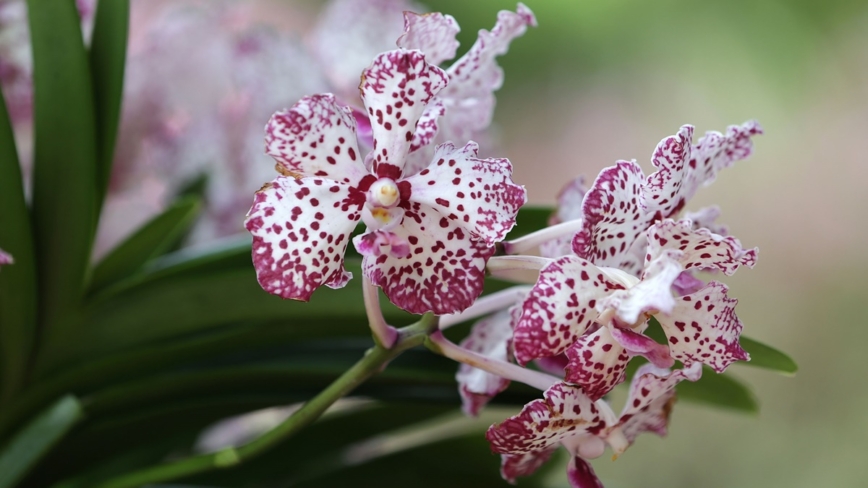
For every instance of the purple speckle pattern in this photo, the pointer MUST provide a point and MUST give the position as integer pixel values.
(396, 88)
(490, 337)
(316, 137)
(564, 411)
(703, 328)
(700, 248)
(597, 362)
(651, 397)
(444, 272)
(300, 230)
(560, 308)
(613, 218)
(477, 194)
(513, 466)
(682, 167)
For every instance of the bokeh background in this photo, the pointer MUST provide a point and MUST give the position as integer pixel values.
(599, 81)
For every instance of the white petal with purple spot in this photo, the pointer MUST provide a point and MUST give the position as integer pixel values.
(316, 137)
(301, 228)
(703, 328)
(477, 194)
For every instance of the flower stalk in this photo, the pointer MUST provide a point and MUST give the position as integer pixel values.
(438, 343)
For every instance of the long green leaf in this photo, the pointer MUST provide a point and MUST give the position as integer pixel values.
(719, 390)
(108, 52)
(767, 357)
(149, 241)
(17, 281)
(64, 175)
(36, 439)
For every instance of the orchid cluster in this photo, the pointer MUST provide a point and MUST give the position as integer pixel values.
(619, 257)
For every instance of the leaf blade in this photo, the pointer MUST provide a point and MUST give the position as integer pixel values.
(146, 243)
(64, 174)
(17, 281)
(767, 357)
(108, 52)
(37, 438)
(719, 390)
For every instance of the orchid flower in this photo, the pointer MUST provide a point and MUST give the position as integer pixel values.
(567, 416)
(597, 314)
(5, 258)
(622, 203)
(429, 235)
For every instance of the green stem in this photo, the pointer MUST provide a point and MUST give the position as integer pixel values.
(372, 363)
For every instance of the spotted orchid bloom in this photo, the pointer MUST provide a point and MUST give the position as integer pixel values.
(429, 235)
(597, 314)
(622, 203)
(567, 417)
(465, 107)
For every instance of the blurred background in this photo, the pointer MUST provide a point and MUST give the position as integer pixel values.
(599, 81)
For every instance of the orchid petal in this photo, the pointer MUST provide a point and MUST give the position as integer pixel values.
(476, 76)
(396, 88)
(652, 294)
(316, 137)
(613, 218)
(597, 363)
(513, 466)
(701, 249)
(560, 307)
(703, 328)
(682, 168)
(569, 208)
(637, 344)
(705, 218)
(444, 272)
(490, 337)
(580, 474)
(477, 194)
(564, 411)
(649, 403)
(433, 34)
(301, 228)
(426, 130)
(686, 284)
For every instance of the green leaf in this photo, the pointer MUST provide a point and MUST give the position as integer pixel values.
(148, 242)
(767, 357)
(17, 281)
(37, 438)
(108, 50)
(719, 390)
(65, 172)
